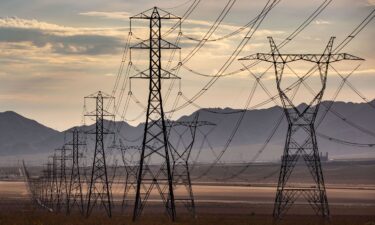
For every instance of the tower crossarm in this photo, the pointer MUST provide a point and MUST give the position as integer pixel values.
(146, 75)
(163, 45)
(149, 14)
(315, 58)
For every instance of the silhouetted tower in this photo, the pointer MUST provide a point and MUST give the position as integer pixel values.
(295, 147)
(155, 143)
(54, 184)
(33, 185)
(62, 190)
(47, 185)
(181, 155)
(99, 188)
(36, 186)
(75, 195)
(130, 157)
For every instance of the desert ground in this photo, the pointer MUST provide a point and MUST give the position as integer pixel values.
(350, 190)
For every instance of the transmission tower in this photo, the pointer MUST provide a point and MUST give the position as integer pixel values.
(99, 188)
(130, 156)
(62, 190)
(33, 185)
(295, 147)
(181, 156)
(155, 143)
(53, 183)
(75, 196)
(47, 185)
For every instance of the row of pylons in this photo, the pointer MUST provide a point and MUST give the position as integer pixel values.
(156, 165)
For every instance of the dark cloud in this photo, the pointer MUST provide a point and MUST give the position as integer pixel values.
(85, 44)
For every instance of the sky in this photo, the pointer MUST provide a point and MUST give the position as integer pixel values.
(55, 52)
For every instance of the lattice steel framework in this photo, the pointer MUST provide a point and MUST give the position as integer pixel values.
(99, 188)
(61, 158)
(33, 185)
(54, 184)
(130, 157)
(39, 186)
(47, 185)
(75, 195)
(297, 118)
(181, 156)
(155, 143)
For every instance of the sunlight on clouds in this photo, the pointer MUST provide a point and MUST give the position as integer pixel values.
(23, 23)
(190, 26)
(49, 28)
(108, 15)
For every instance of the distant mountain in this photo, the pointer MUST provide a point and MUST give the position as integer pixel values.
(21, 136)
(257, 126)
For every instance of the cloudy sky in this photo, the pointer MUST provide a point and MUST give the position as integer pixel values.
(55, 52)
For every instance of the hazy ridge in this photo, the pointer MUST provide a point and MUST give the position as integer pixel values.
(20, 135)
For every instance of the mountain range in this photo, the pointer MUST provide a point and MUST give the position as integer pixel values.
(21, 137)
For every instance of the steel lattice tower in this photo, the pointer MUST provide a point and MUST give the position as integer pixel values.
(54, 184)
(181, 156)
(131, 166)
(44, 184)
(75, 196)
(155, 143)
(47, 185)
(99, 187)
(62, 190)
(295, 148)
(32, 184)
(35, 185)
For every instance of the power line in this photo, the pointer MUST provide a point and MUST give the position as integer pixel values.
(286, 41)
(353, 34)
(233, 33)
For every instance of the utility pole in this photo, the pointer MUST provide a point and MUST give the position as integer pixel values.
(75, 195)
(99, 188)
(155, 143)
(295, 147)
(181, 156)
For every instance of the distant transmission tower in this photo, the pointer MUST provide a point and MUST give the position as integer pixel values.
(181, 156)
(31, 184)
(46, 185)
(62, 190)
(130, 157)
(295, 147)
(155, 143)
(54, 184)
(99, 188)
(75, 195)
